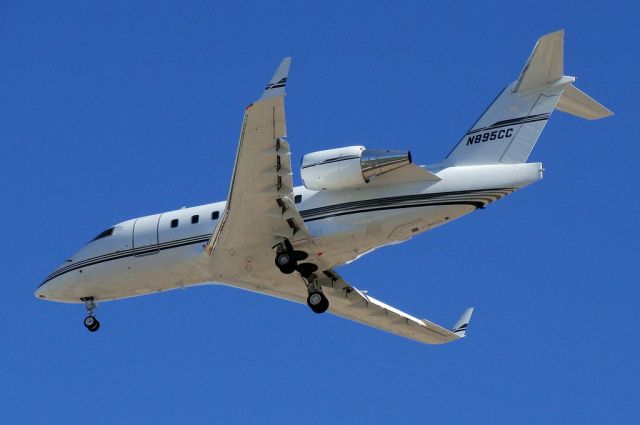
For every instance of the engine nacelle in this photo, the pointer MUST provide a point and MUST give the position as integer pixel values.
(350, 167)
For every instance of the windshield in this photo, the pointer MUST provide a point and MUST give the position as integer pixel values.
(104, 234)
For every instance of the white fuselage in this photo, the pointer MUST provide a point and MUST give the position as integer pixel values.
(148, 254)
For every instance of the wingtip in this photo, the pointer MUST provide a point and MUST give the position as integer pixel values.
(462, 324)
(277, 84)
(283, 70)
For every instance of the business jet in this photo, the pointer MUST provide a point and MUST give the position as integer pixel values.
(275, 239)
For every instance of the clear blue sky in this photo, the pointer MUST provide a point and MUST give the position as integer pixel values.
(112, 110)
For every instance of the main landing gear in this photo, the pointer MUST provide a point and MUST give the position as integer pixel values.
(317, 302)
(90, 322)
(287, 261)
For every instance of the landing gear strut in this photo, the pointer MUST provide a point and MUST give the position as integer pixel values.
(90, 322)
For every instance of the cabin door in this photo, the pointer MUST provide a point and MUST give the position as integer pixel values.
(145, 235)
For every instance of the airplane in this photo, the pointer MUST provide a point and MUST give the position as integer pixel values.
(284, 241)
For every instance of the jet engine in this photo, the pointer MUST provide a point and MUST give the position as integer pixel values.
(349, 167)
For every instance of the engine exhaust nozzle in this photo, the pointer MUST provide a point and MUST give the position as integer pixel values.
(375, 162)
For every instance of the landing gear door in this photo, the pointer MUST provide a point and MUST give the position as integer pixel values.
(145, 235)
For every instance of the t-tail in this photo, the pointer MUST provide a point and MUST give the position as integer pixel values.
(508, 130)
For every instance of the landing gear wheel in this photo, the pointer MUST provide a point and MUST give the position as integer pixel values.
(284, 258)
(300, 255)
(91, 323)
(317, 302)
(288, 269)
(307, 269)
(286, 262)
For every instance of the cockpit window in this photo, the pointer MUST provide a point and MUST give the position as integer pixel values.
(104, 234)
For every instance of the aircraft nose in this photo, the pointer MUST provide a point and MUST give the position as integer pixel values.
(43, 291)
(56, 286)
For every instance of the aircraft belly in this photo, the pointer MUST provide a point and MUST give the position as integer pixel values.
(359, 234)
(340, 240)
(247, 271)
(285, 289)
(429, 218)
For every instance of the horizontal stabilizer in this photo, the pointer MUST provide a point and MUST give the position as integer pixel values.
(545, 65)
(575, 102)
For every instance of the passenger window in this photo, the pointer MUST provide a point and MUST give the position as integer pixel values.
(174, 222)
(195, 219)
(297, 199)
(215, 215)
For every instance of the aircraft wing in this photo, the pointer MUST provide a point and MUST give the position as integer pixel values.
(350, 303)
(260, 207)
(261, 213)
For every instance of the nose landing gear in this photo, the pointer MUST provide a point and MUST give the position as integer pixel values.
(90, 322)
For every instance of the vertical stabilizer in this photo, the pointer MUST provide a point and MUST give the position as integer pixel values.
(545, 65)
(509, 129)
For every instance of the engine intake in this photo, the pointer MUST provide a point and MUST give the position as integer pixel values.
(349, 167)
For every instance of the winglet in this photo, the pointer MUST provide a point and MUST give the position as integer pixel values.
(278, 82)
(460, 327)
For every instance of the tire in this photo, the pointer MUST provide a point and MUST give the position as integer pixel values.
(91, 323)
(288, 269)
(306, 269)
(286, 262)
(284, 258)
(300, 255)
(317, 302)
